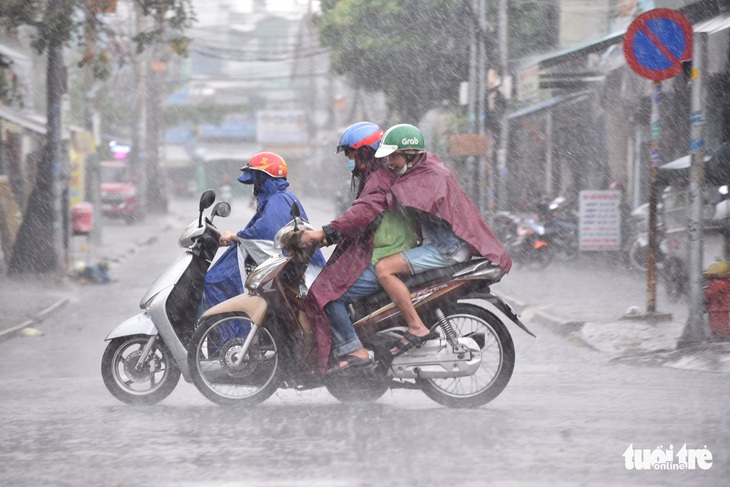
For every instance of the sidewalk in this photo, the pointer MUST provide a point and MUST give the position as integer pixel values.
(28, 299)
(588, 301)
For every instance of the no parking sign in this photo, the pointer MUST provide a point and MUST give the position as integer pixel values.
(657, 42)
(655, 45)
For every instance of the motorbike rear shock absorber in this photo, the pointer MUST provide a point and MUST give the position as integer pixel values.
(449, 332)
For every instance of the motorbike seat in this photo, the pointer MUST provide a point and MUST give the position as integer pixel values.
(365, 305)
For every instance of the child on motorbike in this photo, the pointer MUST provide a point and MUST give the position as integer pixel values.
(267, 172)
(452, 227)
(350, 273)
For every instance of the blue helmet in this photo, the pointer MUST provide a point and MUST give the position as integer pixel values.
(361, 134)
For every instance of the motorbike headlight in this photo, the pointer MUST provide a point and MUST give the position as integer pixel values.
(263, 273)
(187, 237)
(289, 227)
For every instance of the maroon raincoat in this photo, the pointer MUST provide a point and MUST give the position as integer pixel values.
(428, 186)
(350, 258)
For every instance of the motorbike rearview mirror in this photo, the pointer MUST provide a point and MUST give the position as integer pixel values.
(221, 209)
(294, 212)
(206, 199)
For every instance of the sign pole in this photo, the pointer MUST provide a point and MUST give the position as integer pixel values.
(655, 161)
(655, 45)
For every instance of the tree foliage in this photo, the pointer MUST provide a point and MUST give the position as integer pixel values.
(417, 51)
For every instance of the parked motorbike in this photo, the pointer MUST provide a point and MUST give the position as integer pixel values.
(246, 348)
(561, 229)
(525, 238)
(147, 353)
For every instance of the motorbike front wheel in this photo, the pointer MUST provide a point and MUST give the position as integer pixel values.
(495, 370)
(212, 356)
(149, 384)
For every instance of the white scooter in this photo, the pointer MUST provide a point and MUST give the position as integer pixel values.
(148, 352)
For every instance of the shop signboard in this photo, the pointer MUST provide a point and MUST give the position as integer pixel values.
(600, 220)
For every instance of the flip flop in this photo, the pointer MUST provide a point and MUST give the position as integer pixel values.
(352, 361)
(412, 341)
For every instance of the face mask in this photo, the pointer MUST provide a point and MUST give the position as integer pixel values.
(403, 170)
(350, 165)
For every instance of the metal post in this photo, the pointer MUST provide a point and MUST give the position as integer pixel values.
(695, 330)
(654, 161)
(501, 173)
(481, 103)
(91, 164)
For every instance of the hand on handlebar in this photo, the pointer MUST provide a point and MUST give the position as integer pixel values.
(314, 237)
(228, 238)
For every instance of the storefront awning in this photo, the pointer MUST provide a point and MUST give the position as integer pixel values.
(713, 25)
(717, 169)
(7, 113)
(549, 103)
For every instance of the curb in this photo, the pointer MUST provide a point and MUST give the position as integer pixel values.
(38, 318)
(118, 259)
(570, 329)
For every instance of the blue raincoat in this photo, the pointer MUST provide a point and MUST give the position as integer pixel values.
(223, 280)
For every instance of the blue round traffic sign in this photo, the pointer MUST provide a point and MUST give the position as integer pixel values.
(657, 42)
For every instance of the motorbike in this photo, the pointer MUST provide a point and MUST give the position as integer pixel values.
(561, 229)
(147, 353)
(245, 349)
(525, 238)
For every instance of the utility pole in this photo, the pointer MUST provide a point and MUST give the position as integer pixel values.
(139, 142)
(471, 99)
(482, 176)
(156, 188)
(695, 331)
(91, 164)
(502, 148)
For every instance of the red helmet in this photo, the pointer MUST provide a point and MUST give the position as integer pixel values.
(272, 164)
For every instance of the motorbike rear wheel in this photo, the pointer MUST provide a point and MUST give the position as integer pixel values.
(538, 259)
(212, 354)
(150, 385)
(495, 370)
(565, 247)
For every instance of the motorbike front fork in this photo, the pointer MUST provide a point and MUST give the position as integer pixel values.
(247, 344)
(145, 353)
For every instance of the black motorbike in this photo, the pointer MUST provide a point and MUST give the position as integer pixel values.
(525, 239)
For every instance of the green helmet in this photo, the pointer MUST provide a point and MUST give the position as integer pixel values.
(401, 137)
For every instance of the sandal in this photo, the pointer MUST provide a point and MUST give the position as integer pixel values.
(352, 361)
(412, 341)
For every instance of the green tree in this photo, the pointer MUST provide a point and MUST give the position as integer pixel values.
(417, 51)
(39, 246)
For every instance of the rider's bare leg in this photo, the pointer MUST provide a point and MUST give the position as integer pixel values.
(387, 271)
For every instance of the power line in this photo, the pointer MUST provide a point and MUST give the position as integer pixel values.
(262, 57)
